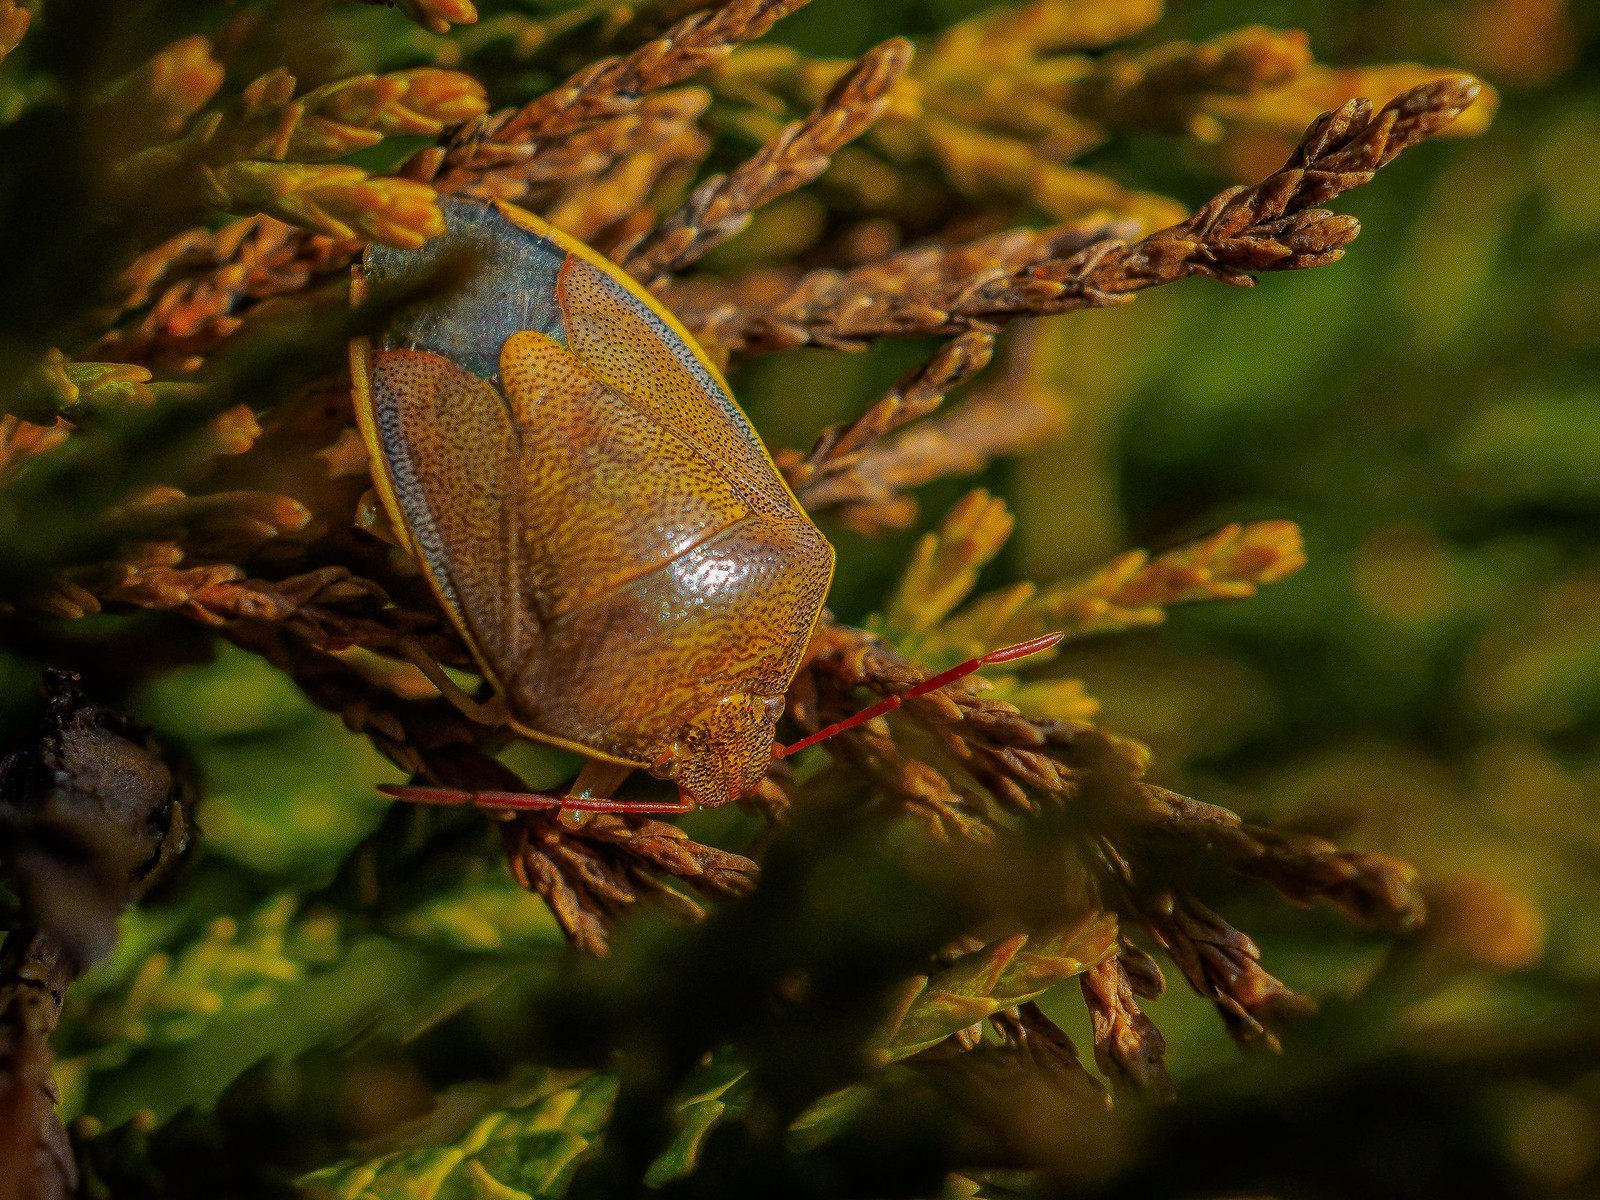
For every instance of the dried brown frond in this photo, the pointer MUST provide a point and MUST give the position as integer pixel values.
(1372, 890)
(873, 494)
(505, 142)
(721, 206)
(1028, 1031)
(819, 479)
(195, 283)
(1128, 1048)
(614, 84)
(328, 605)
(612, 206)
(725, 314)
(1273, 226)
(866, 469)
(1223, 965)
(611, 864)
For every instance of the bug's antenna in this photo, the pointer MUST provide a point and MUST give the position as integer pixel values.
(932, 684)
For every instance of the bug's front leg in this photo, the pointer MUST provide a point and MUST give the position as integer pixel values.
(590, 792)
(532, 801)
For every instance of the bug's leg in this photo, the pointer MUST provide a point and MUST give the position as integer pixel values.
(492, 712)
(589, 794)
(371, 518)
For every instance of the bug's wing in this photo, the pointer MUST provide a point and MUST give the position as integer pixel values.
(607, 493)
(445, 448)
(663, 591)
(636, 351)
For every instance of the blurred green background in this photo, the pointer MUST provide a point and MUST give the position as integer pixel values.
(1429, 686)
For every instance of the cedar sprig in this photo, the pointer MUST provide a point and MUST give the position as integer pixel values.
(1223, 965)
(192, 286)
(612, 85)
(893, 288)
(1134, 589)
(1047, 26)
(612, 205)
(154, 102)
(151, 576)
(866, 469)
(270, 151)
(1128, 1048)
(79, 391)
(1000, 114)
(268, 121)
(831, 474)
(434, 15)
(1273, 226)
(722, 205)
(930, 609)
(505, 141)
(1016, 760)
(929, 1009)
(199, 283)
(872, 492)
(195, 287)
(592, 876)
(1171, 87)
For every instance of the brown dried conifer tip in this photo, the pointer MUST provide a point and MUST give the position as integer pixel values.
(722, 205)
(615, 84)
(1273, 226)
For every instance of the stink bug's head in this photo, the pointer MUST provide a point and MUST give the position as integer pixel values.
(725, 750)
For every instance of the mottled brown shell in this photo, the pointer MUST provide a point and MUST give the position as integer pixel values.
(592, 508)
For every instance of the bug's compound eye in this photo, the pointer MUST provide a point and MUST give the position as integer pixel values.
(671, 764)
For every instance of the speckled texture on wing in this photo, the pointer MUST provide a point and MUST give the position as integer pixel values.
(626, 672)
(448, 446)
(607, 493)
(640, 355)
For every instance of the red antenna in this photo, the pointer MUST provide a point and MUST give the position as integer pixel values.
(931, 684)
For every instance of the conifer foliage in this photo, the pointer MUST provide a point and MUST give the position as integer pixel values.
(860, 981)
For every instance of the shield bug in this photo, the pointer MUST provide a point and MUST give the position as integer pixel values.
(594, 513)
